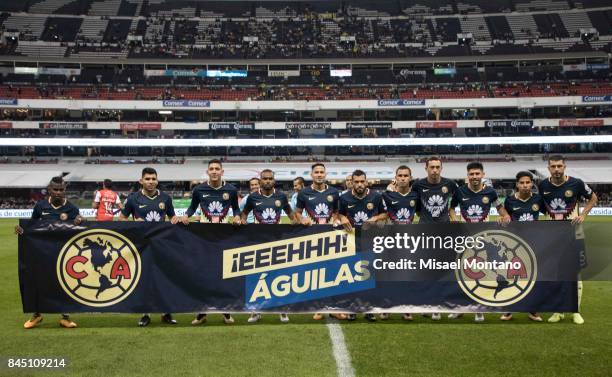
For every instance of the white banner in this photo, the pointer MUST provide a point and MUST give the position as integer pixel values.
(27, 213)
(85, 212)
(456, 103)
(577, 122)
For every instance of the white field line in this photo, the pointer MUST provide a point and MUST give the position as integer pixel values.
(341, 354)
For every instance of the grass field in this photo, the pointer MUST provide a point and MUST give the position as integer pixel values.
(112, 345)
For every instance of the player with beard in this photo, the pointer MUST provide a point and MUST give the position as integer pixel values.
(55, 207)
(358, 206)
(151, 205)
(267, 205)
(475, 201)
(401, 204)
(434, 193)
(318, 204)
(215, 198)
(524, 205)
(561, 194)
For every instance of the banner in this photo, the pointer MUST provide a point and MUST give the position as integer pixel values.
(63, 125)
(509, 123)
(574, 67)
(341, 72)
(224, 73)
(401, 102)
(607, 98)
(436, 124)
(140, 126)
(185, 103)
(6, 125)
(287, 73)
(9, 101)
(159, 267)
(308, 125)
(231, 126)
(445, 71)
(369, 125)
(581, 122)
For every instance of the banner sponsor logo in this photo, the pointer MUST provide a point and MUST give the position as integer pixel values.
(445, 71)
(369, 124)
(509, 123)
(607, 98)
(501, 273)
(408, 72)
(341, 72)
(581, 122)
(140, 126)
(220, 73)
(9, 101)
(6, 125)
(597, 66)
(98, 267)
(574, 67)
(63, 125)
(231, 126)
(401, 102)
(435, 124)
(308, 125)
(283, 73)
(185, 103)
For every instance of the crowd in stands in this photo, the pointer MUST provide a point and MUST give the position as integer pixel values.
(321, 91)
(349, 29)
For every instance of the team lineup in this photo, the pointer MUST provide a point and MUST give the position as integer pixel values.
(432, 199)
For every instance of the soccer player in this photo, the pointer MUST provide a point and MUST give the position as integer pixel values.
(55, 207)
(298, 185)
(105, 202)
(358, 206)
(214, 198)
(151, 205)
(318, 204)
(475, 200)
(561, 194)
(253, 187)
(267, 205)
(401, 204)
(434, 194)
(348, 184)
(524, 205)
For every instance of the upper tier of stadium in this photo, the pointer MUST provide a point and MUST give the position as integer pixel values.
(84, 30)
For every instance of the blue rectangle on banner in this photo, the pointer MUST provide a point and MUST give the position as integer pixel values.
(8, 101)
(607, 98)
(308, 282)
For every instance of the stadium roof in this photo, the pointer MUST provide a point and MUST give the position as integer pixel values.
(27, 178)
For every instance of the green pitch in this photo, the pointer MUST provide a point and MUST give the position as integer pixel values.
(112, 345)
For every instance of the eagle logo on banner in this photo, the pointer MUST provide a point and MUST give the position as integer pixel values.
(497, 286)
(98, 267)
